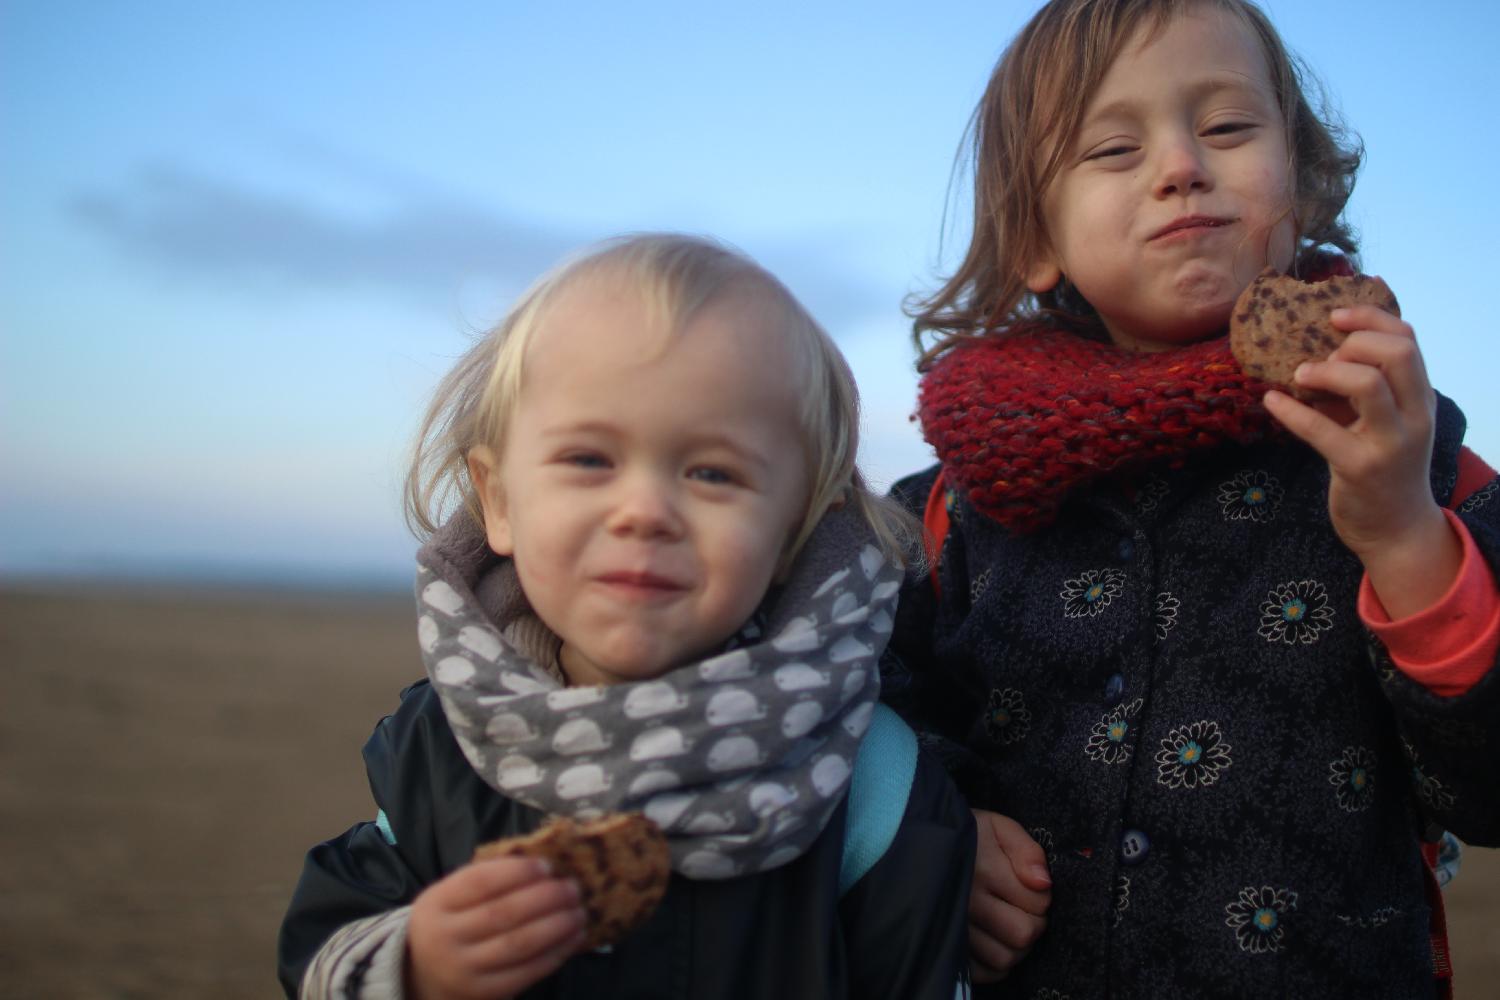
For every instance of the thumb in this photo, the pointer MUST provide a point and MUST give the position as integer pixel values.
(1027, 858)
(1033, 873)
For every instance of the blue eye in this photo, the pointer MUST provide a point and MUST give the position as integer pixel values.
(711, 474)
(586, 460)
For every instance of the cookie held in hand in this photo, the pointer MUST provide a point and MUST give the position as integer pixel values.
(1279, 322)
(620, 861)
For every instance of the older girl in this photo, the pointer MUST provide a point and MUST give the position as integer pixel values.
(1226, 656)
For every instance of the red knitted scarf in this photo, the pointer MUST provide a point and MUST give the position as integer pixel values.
(1022, 420)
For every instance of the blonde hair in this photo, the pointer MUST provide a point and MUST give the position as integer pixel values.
(677, 277)
(1032, 109)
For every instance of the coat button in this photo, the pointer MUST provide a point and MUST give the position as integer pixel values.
(1134, 846)
(1114, 689)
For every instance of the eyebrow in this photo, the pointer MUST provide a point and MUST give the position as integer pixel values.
(695, 440)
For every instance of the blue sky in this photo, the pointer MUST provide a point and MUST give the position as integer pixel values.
(241, 242)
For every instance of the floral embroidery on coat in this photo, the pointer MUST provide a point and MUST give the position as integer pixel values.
(1107, 740)
(1005, 716)
(1122, 897)
(1296, 612)
(1089, 594)
(1430, 790)
(1479, 497)
(1166, 613)
(1353, 779)
(1258, 917)
(1151, 493)
(1250, 496)
(1192, 756)
(978, 585)
(1043, 837)
(1379, 918)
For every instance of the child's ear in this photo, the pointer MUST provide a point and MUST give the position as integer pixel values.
(1044, 274)
(484, 473)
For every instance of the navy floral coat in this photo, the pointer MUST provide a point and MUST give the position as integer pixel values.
(1171, 690)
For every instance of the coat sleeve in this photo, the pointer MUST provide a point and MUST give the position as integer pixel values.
(925, 689)
(344, 932)
(1453, 743)
(906, 919)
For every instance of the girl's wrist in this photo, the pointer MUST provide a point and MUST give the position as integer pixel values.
(1412, 571)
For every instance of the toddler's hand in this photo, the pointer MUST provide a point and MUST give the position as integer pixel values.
(1008, 904)
(1377, 439)
(490, 929)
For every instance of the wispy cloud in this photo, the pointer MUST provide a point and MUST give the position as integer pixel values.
(203, 225)
(425, 244)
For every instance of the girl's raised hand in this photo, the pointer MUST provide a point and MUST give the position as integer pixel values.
(1009, 899)
(1377, 439)
(490, 929)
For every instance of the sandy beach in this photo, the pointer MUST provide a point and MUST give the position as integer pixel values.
(169, 756)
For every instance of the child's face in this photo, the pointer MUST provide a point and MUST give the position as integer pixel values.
(1177, 190)
(648, 484)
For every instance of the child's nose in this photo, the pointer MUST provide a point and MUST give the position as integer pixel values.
(646, 508)
(1180, 169)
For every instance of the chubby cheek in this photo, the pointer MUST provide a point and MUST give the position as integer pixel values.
(543, 557)
(1281, 245)
(1278, 234)
(742, 566)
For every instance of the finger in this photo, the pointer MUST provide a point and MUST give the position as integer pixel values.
(995, 871)
(478, 881)
(1364, 386)
(515, 909)
(1004, 922)
(528, 941)
(1321, 433)
(981, 974)
(1399, 358)
(1368, 317)
(1027, 858)
(995, 957)
(517, 978)
(998, 880)
(1029, 863)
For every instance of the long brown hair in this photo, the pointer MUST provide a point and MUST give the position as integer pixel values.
(1030, 112)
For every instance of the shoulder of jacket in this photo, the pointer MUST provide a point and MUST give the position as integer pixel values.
(911, 491)
(416, 736)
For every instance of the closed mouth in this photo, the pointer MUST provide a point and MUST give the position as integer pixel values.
(1190, 222)
(641, 581)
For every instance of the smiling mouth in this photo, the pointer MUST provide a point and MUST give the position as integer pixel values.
(641, 584)
(1190, 224)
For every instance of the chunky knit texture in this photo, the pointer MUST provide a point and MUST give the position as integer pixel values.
(1023, 417)
(1022, 420)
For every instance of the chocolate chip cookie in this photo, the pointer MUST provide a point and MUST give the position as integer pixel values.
(1279, 322)
(620, 861)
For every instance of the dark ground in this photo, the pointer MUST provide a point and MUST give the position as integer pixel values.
(169, 756)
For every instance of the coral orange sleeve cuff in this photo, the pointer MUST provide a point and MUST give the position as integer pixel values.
(1448, 647)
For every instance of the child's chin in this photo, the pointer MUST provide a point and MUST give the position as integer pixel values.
(638, 666)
